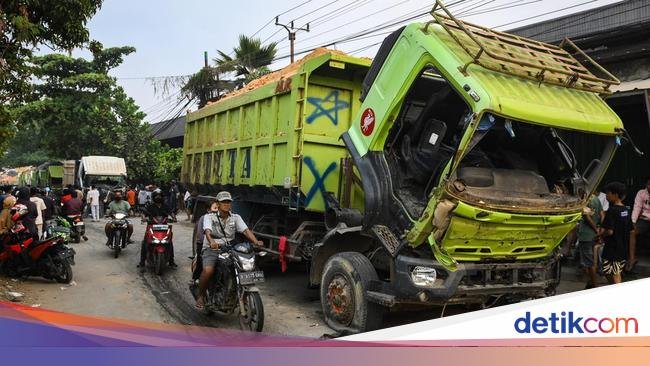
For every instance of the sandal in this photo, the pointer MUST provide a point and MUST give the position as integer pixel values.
(199, 305)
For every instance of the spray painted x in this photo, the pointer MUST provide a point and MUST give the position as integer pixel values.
(319, 182)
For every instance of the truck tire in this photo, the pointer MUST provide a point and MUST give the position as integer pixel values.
(343, 294)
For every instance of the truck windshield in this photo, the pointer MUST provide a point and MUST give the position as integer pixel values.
(512, 165)
(106, 180)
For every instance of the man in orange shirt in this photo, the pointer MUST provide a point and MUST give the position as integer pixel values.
(130, 198)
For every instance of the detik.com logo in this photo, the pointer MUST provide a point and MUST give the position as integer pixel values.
(566, 322)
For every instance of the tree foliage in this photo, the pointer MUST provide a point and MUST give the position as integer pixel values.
(23, 26)
(76, 109)
(169, 162)
(250, 61)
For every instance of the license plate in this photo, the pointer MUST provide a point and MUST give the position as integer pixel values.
(247, 278)
(79, 223)
(160, 227)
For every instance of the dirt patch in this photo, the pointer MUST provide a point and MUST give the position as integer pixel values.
(278, 75)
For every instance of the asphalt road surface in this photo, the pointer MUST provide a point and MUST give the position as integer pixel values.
(108, 287)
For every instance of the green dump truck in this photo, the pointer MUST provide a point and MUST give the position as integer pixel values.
(444, 172)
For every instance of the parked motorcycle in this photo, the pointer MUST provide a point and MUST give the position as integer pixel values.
(232, 288)
(78, 230)
(158, 239)
(119, 224)
(20, 255)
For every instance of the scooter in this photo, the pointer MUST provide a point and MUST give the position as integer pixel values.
(22, 256)
(158, 239)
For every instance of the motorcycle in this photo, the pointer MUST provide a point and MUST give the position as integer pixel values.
(22, 256)
(158, 238)
(78, 230)
(232, 287)
(119, 225)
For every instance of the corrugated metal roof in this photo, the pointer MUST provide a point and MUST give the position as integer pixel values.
(602, 19)
(168, 129)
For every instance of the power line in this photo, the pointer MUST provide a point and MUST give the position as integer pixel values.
(547, 13)
(284, 12)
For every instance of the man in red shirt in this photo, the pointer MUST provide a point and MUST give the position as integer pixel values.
(130, 198)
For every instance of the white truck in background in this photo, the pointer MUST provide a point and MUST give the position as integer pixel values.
(101, 171)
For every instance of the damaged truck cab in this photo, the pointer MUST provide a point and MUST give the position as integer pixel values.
(445, 171)
(464, 148)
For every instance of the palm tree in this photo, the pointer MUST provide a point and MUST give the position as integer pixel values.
(251, 58)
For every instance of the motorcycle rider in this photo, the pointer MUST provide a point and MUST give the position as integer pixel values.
(220, 229)
(156, 208)
(198, 261)
(6, 223)
(118, 205)
(29, 220)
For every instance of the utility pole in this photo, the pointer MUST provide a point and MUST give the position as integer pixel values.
(292, 32)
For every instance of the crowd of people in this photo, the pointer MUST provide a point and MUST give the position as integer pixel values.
(607, 236)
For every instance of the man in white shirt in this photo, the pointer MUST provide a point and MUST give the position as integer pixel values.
(40, 207)
(92, 198)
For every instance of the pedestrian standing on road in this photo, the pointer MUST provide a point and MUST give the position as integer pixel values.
(587, 234)
(188, 204)
(142, 199)
(131, 198)
(640, 220)
(616, 230)
(173, 199)
(93, 202)
(40, 208)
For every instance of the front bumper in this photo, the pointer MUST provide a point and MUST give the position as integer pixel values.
(471, 283)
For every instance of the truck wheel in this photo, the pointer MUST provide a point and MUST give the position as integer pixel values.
(343, 294)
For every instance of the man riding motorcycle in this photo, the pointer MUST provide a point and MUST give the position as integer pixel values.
(118, 205)
(220, 229)
(156, 208)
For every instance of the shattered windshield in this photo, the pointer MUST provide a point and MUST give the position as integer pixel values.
(516, 164)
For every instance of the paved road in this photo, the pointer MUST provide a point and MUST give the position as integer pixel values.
(109, 287)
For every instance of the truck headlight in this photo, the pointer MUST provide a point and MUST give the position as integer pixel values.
(423, 276)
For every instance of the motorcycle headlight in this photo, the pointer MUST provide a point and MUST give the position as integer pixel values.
(247, 264)
(156, 241)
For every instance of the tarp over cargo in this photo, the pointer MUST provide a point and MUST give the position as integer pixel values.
(103, 165)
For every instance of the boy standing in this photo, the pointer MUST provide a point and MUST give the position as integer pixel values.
(587, 233)
(616, 230)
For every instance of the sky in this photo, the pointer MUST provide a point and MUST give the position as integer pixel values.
(171, 36)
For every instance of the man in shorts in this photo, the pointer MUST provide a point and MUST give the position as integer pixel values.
(587, 234)
(220, 229)
(616, 231)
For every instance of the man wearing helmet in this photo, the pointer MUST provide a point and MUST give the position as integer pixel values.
(29, 220)
(118, 205)
(156, 208)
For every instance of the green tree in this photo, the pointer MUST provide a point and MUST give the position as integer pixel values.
(24, 25)
(77, 109)
(251, 62)
(169, 162)
(251, 58)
